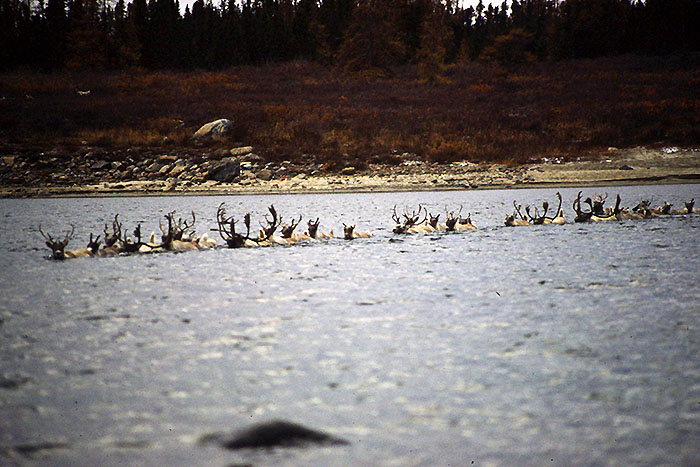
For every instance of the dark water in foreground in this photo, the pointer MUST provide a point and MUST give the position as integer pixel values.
(577, 344)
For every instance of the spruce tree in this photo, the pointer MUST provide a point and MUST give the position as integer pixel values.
(373, 42)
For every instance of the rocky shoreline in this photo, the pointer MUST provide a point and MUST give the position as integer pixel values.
(239, 170)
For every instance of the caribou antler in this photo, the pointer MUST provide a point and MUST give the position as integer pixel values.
(168, 236)
(183, 226)
(112, 238)
(395, 216)
(227, 228)
(517, 210)
(271, 224)
(556, 213)
(617, 210)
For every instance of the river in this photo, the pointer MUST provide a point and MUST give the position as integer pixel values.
(558, 345)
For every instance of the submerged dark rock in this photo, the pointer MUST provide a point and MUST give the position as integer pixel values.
(276, 433)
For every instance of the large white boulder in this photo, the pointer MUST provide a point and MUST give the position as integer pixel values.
(216, 129)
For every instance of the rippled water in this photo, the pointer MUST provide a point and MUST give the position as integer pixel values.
(577, 344)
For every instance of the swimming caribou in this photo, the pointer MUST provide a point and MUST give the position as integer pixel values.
(58, 247)
(535, 218)
(180, 234)
(517, 218)
(314, 233)
(349, 233)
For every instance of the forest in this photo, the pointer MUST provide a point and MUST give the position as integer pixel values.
(360, 36)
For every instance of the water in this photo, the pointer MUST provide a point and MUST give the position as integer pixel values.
(575, 344)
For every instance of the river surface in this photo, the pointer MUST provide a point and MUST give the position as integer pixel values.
(557, 345)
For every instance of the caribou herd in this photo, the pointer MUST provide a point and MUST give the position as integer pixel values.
(179, 234)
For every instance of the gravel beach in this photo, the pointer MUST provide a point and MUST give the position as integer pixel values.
(168, 175)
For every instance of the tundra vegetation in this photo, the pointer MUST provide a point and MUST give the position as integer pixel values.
(319, 117)
(179, 234)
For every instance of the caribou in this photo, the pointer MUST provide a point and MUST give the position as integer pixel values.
(666, 209)
(349, 233)
(177, 238)
(456, 223)
(233, 239)
(596, 212)
(517, 218)
(180, 233)
(409, 222)
(289, 236)
(537, 219)
(113, 240)
(314, 233)
(434, 222)
(58, 247)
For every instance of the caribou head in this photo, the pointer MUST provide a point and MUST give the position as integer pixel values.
(57, 246)
(94, 245)
(689, 206)
(348, 231)
(451, 219)
(409, 222)
(597, 206)
(286, 231)
(537, 219)
(666, 208)
(313, 227)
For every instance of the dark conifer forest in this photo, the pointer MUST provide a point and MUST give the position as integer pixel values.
(355, 35)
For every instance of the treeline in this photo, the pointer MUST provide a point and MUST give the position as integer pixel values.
(358, 35)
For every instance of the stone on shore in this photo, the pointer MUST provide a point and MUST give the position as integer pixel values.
(216, 129)
(242, 151)
(100, 165)
(264, 174)
(225, 171)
